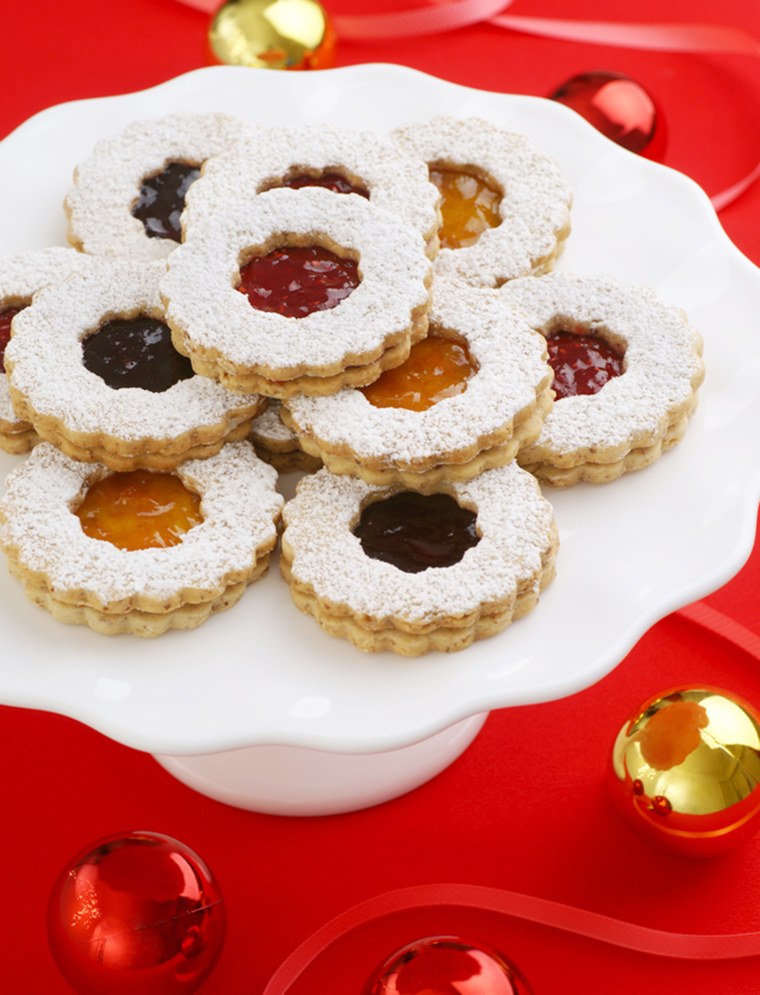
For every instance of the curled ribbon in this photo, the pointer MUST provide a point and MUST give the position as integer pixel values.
(453, 14)
(448, 15)
(727, 628)
(545, 912)
(592, 925)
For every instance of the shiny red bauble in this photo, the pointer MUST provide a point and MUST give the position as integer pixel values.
(447, 965)
(136, 913)
(617, 106)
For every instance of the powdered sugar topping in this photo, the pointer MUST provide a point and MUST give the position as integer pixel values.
(535, 206)
(203, 303)
(269, 427)
(107, 184)
(514, 521)
(662, 363)
(44, 361)
(21, 276)
(512, 371)
(239, 504)
(396, 182)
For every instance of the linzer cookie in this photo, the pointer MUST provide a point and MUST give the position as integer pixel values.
(127, 198)
(21, 276)
(91, 366)
(297, 292)
(139, 552)
(390, 569)
(505, 204)
(275, 443)
(469, 396)
(340, 160)
(626, 370)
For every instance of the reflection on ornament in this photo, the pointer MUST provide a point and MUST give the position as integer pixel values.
(136, 912)
(273, 34)
(446, 965)
(618, 107)
(686, 770)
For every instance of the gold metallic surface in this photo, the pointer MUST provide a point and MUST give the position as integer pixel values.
(687, 770)
(273, 34)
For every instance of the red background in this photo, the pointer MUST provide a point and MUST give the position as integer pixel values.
(524, 808)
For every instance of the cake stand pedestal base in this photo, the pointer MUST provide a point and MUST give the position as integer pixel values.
(294, 780)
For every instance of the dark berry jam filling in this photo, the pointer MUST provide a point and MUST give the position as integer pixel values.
(582, 363)
(295, 281)
(162, 200)
(416, 531)
(6, 317)
(330, 181)
(135, 352)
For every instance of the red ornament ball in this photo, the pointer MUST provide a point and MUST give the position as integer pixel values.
(447, 965)
(136, 913)
(617, 106)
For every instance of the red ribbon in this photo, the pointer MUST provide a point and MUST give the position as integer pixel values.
(433, 19)
(448, 15)
(581, 922)
(721, 625)
(453, 14)
(592, 925)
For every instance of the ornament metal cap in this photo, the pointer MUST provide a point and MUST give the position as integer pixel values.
(686, 770)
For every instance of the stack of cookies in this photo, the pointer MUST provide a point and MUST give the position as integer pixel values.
(376, 312)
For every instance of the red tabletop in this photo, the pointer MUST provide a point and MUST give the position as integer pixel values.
(524, 809)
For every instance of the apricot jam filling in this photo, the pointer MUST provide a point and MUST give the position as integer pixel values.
(161, 200)
(139, 510)
(297, 280)
(469, 206)
(583, 363)
(330, 180)
(416, 531)
(6, 317)
(135, 352)
(437, 367)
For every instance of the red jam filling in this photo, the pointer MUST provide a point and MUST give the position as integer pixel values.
(295, 281)
(135, 352)
(416, 531)
(330, 181)
(582, 363)
(436, 368)
(162, 199)
(6, 317)
(139, 510)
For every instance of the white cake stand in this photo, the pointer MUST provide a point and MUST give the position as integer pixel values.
(258, 707)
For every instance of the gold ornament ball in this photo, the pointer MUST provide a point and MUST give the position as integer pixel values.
(273, 34)
(686, 771)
